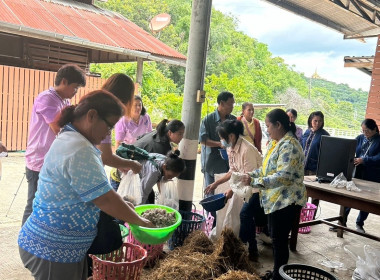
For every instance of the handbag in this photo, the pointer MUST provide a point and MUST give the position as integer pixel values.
(108, 238)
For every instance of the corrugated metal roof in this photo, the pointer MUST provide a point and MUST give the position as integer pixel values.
(82, 22)
(353, 18)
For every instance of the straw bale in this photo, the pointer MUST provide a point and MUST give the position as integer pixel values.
(178, 266)
(231, 253)
(199, 258)
(198, 241)
(238, 275)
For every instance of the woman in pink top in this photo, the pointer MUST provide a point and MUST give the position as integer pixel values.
(123, 88)
(242, 156)
(128, 129)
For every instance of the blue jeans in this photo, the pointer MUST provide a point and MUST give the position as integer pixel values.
(32, 179)
(247, 231)
(361, 217)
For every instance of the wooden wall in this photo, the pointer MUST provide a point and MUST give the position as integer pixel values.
(18, 89)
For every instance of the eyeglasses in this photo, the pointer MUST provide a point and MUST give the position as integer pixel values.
(110, 126)
(366, 130)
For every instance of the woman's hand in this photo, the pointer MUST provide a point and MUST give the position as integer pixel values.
(358, 161)
(221, 145)
(135, 166)
(246, 180)
(124, 170)
(146, 223)
(228, 193)
(210, 188)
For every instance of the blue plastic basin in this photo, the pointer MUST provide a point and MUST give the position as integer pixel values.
(223, 154)
(214, 202)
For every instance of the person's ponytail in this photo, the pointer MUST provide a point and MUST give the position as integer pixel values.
(293, 128)
(174, 162)
(161, 128)
(66, 116)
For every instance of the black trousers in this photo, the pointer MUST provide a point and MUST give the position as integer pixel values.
(280, 225)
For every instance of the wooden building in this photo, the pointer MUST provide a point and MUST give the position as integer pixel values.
(37, 37)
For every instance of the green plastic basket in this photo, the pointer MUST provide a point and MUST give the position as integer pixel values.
(154, 236)
(124, 231)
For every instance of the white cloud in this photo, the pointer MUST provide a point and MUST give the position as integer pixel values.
(300, 41)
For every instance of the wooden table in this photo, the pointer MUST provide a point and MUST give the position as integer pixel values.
(367, 200)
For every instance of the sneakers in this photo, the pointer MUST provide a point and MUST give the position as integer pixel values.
(360, 229)
(264, 238)
(267, 276)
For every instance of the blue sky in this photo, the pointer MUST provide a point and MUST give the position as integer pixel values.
(303, 43)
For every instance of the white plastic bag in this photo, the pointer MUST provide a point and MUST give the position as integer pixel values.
(241, 190)
(352, 187)
(229, 215)
(339, 181)
(130, 188)
(169, 194)
(367, 261)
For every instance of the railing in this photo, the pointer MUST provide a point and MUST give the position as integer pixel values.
(337, 132)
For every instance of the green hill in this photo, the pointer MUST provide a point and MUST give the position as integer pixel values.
(235, 62)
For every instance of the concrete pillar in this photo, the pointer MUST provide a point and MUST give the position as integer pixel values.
(191, 109)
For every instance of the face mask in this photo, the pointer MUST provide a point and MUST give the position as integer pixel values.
(225, 144)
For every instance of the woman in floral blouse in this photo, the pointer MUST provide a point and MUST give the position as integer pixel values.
(280, 180)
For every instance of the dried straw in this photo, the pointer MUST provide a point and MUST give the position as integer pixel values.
(199, 258)
(231, 253)
(198, 241)
(238, 275)
(185, 267)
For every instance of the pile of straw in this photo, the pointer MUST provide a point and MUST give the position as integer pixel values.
(197, 241)
(238, 275)
(231, 253)
(199, 258)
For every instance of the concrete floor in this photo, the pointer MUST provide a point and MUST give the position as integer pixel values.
(313, 248)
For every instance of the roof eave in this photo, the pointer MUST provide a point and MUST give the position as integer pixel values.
(60, 38)
(300, 8)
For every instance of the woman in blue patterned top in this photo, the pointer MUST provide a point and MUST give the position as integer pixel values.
(72, 188)
(280, 181)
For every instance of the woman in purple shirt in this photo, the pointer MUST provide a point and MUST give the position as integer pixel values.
(128, 129)
(121, 86)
